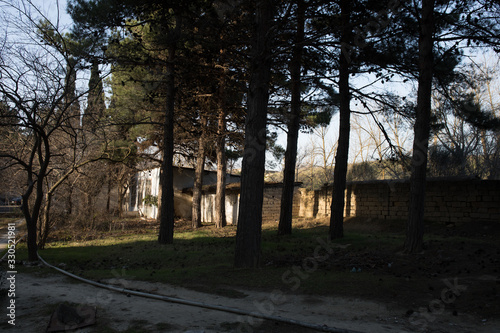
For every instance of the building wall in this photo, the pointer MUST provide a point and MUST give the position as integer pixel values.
(447, 200)
(272, 203)
(208, 207)
(270, 207)
(184, 178)
(308, 204)
(147, 182)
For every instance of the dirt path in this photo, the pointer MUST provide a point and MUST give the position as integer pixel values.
(4, 234)
(37, 297)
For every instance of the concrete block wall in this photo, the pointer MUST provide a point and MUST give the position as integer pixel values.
(270, 206)
(447, 200)
(374, 199)
(272, 203)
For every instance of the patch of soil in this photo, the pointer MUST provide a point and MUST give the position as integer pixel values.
(452, 286)
(38, 296)
(458, 272)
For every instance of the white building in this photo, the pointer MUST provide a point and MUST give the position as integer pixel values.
(144, 189)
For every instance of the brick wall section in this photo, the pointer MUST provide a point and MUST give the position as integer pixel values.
(270, 206)
(272, 203)
(447, 200)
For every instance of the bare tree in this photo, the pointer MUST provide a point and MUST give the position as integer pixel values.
(466, 141)
(487, 158)
(488, 99)
(369, 140)
(300, 163)
(325, 151)
(384, 138)
(37, 87)
(311, 166)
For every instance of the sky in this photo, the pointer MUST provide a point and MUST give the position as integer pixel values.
(55, 11)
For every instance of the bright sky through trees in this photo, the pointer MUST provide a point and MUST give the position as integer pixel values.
(55, 11)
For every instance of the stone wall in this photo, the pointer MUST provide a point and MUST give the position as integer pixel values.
(272, 203)
(447, 200)
(270, 206)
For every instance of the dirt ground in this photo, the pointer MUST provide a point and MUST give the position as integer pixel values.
(37, 295)
(460, 284)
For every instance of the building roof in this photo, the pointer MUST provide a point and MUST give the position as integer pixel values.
(192, 169)
(237, 186)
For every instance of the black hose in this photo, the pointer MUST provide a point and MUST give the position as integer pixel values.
(322, 328)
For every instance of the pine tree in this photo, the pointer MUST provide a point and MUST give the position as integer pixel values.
(248, 235)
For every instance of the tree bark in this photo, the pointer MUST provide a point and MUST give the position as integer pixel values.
(108, 194)
(89, 211)
(166, 234)
(248, 234)
(415, 226)
(42, 151)
(46, 221)
(30, 222)
(69, 201)
(220, 194)
(286, 210)
(121, 195)
(198, 178)
(341, 158)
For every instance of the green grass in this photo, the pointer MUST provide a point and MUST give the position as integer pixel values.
(203, 260)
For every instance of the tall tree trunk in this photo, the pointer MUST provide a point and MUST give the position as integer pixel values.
(108, 194)
(121, 195)
(158, 214)
(32, 219)
(89, 204)
(30, 222)
(248, 234)
(220, 194)
(31, 227)
(69, 200)
(286, 211)
(198, 178)
(166, 234)
(42, 151)
(415, 226)
(341, 158)
(46, 221)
